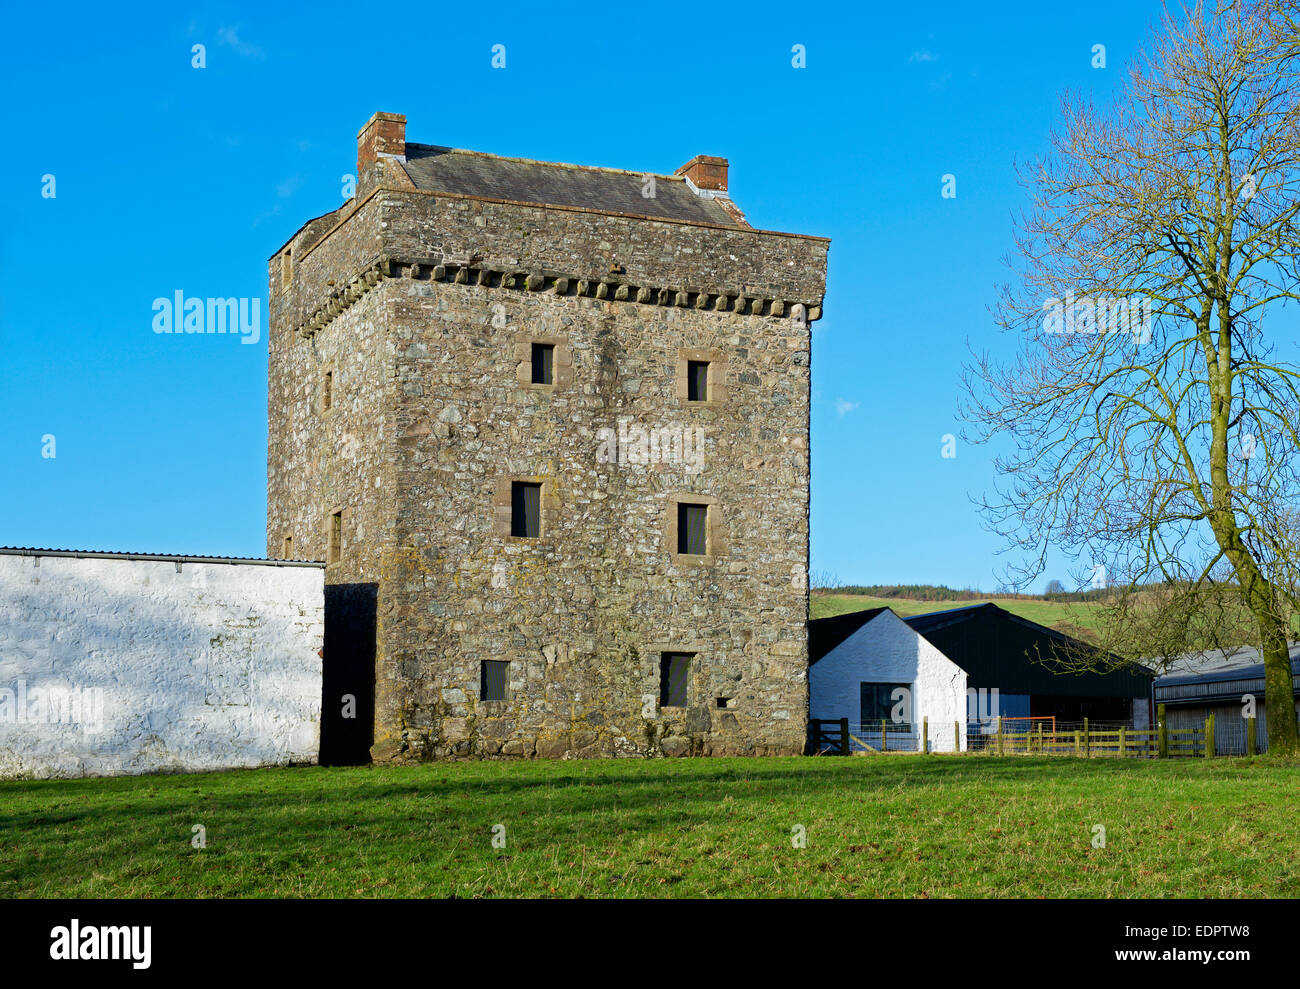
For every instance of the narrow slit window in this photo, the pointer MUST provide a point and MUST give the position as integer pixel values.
(525, 509)
(287, 552)
(336, 537)
(674, 674)
(492, 679)
(543, 364)
(286, 267)
(693, 529)
(327, 391)
(697, 381)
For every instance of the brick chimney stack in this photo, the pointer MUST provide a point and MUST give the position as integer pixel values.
(706, 173)
(384, 136)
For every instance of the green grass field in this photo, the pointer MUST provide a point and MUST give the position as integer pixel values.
(882, 826)
(1049, 613)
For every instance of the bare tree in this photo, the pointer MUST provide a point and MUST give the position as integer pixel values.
(1149, 417)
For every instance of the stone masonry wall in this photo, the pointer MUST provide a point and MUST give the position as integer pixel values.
(321, 461)
(586, 244)
(439, 416)
(584, 613)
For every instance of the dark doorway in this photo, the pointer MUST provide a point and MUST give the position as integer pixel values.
(349, 669)
(1073, 709)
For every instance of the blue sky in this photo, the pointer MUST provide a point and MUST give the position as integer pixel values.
(171, 177)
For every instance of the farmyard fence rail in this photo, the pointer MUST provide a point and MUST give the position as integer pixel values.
(829, 737)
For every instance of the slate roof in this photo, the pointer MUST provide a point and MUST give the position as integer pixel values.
(472, 173)
(824, 634)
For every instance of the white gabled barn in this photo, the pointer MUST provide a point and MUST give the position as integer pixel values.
(858, 661)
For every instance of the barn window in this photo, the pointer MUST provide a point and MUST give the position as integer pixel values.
(492, 679)
(335, 537)
(674, 670)
(543, 363)
(878, 703)
(697, 381)
(525, 509)
(692, 529)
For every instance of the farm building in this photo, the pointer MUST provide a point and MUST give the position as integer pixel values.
(1202, 684)
(1002, 651)
(869, 667)
(123, 663)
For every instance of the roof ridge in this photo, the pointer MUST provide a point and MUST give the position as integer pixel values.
(550, 164)
(128, 555)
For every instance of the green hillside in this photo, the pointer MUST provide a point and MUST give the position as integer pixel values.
(1077, 618)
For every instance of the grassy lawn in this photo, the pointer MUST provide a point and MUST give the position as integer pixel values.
(1048, 613)
(893, 826)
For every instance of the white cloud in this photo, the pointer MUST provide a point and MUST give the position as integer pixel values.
(923, 55)
(229, 36)
(843, 408)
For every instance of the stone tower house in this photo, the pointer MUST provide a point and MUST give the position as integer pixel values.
(548, 427)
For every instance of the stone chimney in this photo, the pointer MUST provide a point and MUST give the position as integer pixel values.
(706, 173)
(384, 136)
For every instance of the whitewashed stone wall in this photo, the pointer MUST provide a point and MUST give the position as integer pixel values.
(886, 650)
(112, 666)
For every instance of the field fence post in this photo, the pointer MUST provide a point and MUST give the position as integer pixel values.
(925, 736)
(1209, 736)
(884, 741)
(1000, 735)
(1123, 747)
(956, 736)
(1162, 741)
(844, 736)
(1087, 740)
(1250, 737)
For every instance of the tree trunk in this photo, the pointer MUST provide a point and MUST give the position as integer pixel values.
(1279, 696)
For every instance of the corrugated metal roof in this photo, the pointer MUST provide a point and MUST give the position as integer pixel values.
(177, 557)
(1000, 649)
(471, 173)
(934, 619)
(1211, 667)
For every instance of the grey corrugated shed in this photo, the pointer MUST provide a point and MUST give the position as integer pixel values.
(1215, 666)
(470, 173)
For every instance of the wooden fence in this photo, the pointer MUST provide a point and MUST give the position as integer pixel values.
(1162, 742)
(828, 737)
